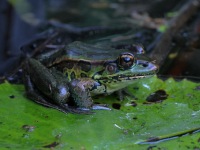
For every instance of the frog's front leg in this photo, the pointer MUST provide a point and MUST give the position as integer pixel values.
(47, 87)
(80, 90)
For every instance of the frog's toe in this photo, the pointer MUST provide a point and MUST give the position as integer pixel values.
(101, 107)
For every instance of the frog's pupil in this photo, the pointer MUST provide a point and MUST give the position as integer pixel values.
(127, 59)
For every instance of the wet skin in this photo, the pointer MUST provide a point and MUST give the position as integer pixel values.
(67, 78)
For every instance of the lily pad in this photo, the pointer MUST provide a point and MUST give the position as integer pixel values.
(134, 123)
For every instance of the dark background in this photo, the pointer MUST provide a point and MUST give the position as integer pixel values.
(21, 21)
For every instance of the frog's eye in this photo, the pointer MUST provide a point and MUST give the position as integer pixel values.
(126, 60)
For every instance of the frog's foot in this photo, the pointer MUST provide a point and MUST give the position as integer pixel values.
(80, 90)
(100, 107)
(96, 107)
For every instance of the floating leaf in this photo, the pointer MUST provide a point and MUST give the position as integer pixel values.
(134, 123)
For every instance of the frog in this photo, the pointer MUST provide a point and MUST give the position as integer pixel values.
(67, 77)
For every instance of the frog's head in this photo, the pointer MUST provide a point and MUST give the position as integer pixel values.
(126, 69)
(133, 66)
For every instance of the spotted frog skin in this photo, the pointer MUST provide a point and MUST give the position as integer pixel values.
(67, 78)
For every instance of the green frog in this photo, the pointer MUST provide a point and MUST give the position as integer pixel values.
(67, 77)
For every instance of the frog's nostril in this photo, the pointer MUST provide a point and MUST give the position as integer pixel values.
(145, 64)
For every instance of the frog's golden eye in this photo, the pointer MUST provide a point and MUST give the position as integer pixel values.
(126, 60)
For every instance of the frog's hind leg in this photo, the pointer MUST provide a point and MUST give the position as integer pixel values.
(35, 95)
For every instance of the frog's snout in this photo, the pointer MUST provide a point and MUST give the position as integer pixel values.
(147, 65)
(153, 67)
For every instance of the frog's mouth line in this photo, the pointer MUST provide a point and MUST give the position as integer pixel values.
(135, 77)
(121, 78)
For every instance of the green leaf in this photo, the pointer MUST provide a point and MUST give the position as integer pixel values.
(27, 125)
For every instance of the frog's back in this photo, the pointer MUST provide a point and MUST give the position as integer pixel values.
(79, 50)
(83, 52)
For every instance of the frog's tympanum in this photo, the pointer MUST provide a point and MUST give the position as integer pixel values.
(67, 78)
